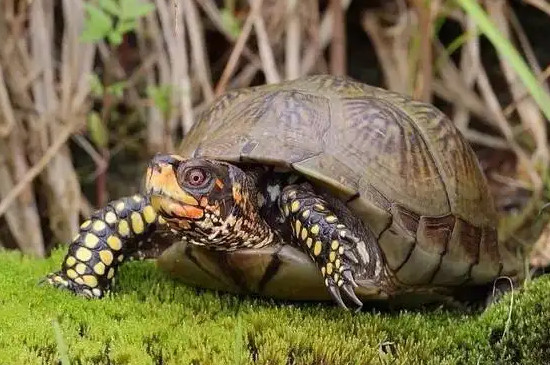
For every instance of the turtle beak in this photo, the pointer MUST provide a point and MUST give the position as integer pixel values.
(167, 197)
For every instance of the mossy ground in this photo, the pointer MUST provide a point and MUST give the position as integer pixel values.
(151, 319)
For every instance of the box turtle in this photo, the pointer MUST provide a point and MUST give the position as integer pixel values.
(311, 189)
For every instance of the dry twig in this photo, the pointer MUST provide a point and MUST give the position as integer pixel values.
(239, 46)
(266, 53)
(338, 45)
(293, 41)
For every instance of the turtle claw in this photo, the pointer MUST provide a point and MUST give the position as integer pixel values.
(60, 281)
(348, 277)
(347, 288)
(348, 254)
(335, 294)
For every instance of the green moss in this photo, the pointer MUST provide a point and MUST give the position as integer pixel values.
(152, 319)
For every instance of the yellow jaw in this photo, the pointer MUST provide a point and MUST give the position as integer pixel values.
(167, 197)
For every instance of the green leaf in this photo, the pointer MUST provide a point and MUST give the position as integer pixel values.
(117, 88)
(110, 6)
(115, 38)
(61, 344)
(230, 23)
(509, 52)
(97, 25)
(126, 25)
(96, 86)
(161, 97)
(134, 9)
(97, 131)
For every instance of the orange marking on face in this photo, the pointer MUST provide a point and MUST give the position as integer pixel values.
(166, 181)
(204, 202)
(219, 184)
(188, 211)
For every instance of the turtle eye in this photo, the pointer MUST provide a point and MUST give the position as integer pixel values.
(196, 177)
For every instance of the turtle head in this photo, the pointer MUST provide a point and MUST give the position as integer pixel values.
(209, 202)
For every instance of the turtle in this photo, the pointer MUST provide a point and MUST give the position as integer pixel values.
(318, 188)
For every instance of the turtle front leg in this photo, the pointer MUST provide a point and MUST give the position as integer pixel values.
(337, 251)
(112, 234)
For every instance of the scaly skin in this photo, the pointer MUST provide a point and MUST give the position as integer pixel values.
(219, 213)
(111, 235)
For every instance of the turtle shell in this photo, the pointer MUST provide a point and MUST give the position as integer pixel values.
(399, 164)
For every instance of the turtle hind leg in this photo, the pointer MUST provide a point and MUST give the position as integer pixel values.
(338, 252)
(120, 230)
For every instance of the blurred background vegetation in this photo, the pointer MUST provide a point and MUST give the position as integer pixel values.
(89, 90)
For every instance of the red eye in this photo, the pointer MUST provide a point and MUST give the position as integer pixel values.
(195, 176)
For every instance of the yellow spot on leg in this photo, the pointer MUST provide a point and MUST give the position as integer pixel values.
(80, 268)
(110, 217)
(337, 263)
(106, 256)
(114, 242)
(110, 273)
(341, 250)
(161, 220)
(119, 207)
(71, 274)
(323, 270)
(79, 280)
(137, 223)
(286, 211)
(120, 258)
(334, 245)
(332, 256)
(306, 213)
(96, 292)
(149, 214)
(83, 254)
(317, 248)
(123, 229)
(90, 280)
(304, 234)
(329, 268)
(314, 229)
(99, 226)
(319, 207)
(295, 206)
(137, 198)
(86, 224)
(331, 219)
(309, 242)
(70, 261)
(99, 268)
(91, 240)
(297, 227)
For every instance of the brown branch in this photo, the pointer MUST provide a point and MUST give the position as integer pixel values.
(424, 79)
(37, 168)
(292, 54)
(238, 49)
(7, 117)
(338, 46)
(198, 48)
(266, 53)
(213, 13)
